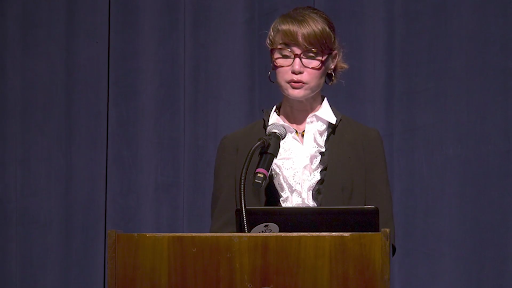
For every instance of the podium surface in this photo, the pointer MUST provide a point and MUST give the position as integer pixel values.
(248, 260)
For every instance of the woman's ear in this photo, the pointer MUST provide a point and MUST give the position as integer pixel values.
(334, 60)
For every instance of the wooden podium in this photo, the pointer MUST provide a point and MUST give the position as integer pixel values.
(310, 260)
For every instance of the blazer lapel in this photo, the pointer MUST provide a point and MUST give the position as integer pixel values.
(339, 178)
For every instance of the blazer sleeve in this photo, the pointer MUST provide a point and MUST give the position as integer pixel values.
(378, 192)
(224, 188)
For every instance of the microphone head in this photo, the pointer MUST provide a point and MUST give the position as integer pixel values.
(279, 129)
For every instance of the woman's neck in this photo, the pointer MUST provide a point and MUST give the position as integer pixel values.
(296, 112)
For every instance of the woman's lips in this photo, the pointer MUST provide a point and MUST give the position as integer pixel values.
(296, 84)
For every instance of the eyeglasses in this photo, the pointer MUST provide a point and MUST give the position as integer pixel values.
(284, 57)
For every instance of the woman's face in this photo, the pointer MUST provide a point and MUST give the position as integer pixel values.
(296, 81)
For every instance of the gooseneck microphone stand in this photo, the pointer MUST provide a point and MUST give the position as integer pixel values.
(263, 142)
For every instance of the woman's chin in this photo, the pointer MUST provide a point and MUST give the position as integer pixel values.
(299, 95)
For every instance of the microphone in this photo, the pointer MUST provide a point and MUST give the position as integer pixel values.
(275, 133)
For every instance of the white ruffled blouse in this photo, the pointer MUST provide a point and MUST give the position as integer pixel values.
(296, 170)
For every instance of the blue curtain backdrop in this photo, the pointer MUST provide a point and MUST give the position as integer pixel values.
(111, 113)
(53, 112)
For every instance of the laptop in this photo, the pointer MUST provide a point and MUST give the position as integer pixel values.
(310, 219)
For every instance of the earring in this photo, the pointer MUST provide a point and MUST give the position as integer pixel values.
(270, 78)
(329, 78)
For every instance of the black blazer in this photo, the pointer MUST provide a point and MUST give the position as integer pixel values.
(354, 173)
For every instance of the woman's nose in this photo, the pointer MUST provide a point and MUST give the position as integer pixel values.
(297, 67)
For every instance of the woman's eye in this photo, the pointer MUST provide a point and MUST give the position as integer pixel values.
(310, 56)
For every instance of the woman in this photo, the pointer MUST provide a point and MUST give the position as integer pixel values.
(326, 159)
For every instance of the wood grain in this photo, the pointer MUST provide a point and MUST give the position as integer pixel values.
(111, 258)
(251, 260)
